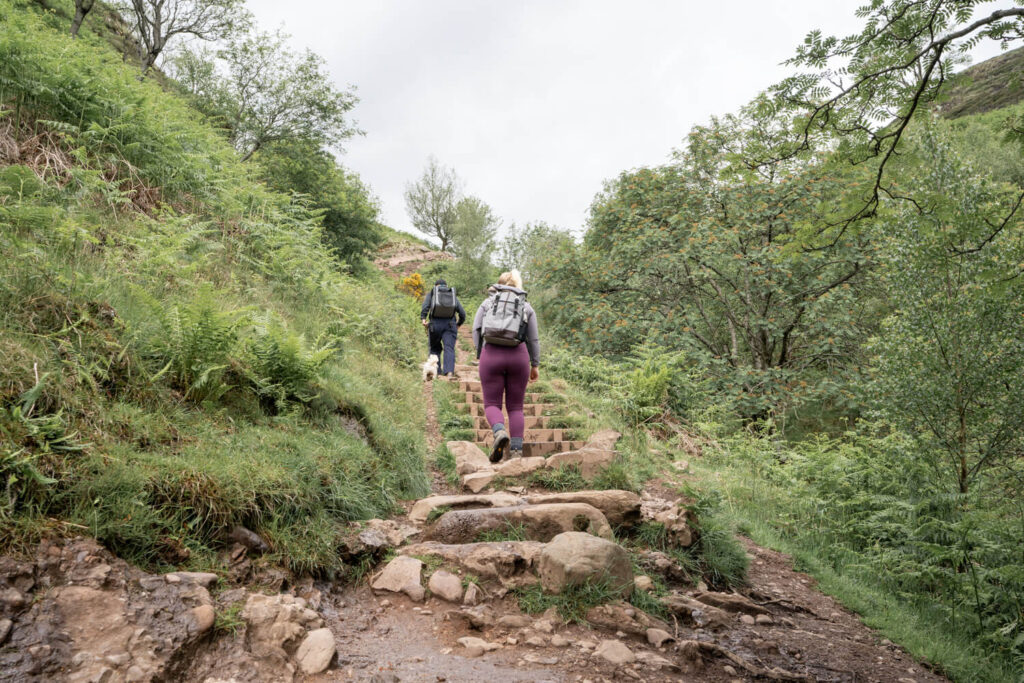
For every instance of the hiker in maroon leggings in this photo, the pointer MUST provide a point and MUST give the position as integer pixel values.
(507, 364)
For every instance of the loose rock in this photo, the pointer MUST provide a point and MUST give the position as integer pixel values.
(615, 652)
(446, 586)
(401, 572)
(573, 558)
(316, 651)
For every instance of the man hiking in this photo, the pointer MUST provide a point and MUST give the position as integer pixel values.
(442, 314)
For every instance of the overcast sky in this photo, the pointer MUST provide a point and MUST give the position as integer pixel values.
(535, 103)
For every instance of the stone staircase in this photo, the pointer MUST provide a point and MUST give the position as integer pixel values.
(538, 439)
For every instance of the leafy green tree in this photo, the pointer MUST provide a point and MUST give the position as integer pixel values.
(349, 210)
(430, 202)
(263, 92)
(949, 358)
(712, 257)
(865, 89)
(158, 21)
(474, 230)
(527, 248)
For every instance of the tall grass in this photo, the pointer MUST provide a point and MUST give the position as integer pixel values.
(186, 325)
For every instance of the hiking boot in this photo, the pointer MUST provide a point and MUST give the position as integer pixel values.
(500, 445)
(515, 453)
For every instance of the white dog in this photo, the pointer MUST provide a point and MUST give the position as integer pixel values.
(430, 368)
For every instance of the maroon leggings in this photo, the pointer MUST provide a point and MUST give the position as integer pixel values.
(505, 370)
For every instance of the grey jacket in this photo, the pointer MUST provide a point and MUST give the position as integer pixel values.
(532, 336)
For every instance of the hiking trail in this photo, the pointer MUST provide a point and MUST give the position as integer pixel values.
(442, 587)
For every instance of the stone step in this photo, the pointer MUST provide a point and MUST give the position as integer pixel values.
(620, 508)
(532, 435)
(529, 410)
(478, 397)
(469, 385)
(534, 522)
(532, 422)
(534, 449)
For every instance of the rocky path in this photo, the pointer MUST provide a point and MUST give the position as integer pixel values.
(446, 608)
(444, 592)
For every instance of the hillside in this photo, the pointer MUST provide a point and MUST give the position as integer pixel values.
(992, 84)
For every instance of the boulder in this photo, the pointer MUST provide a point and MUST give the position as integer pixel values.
(421, 510)
(517, 467)
(478, 481)
(620, 508)
(590, 460)
(468, 457)
(511, 563)
(615, 652)
(400, 573)
(316, 651)
(446, 586)
(538, 522)
(574, 558)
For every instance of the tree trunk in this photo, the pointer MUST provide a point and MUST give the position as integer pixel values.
(82, 8)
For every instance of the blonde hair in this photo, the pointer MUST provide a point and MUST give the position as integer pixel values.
(511, 278)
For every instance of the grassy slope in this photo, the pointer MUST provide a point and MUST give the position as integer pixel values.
(178, 371)
(992, 84)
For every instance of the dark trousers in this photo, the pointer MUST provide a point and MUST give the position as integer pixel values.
(442, 337)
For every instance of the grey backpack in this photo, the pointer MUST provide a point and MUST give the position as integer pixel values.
(443, 304)
(504, 322)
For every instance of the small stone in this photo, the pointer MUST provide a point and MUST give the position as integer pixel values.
(172, 578)
(446, 586)
(536, 641)
(40, 651)
(587, 644)
(385, 603)
(204, 617)
(316, 651)
(473, 595)
(399, 574)
(544, 626)
(426, 613)
(729, 669)
(5, 629)
(748, 620)
(514, 621)
(540, 659)
(560, 641)
(764, 619)
(643, 583)
(511, 641)
(615, 652)
(658, 637)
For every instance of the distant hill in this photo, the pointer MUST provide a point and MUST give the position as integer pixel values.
(992, 84)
